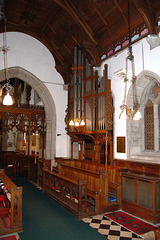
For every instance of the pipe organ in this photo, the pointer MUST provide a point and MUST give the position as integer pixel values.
(89, 117)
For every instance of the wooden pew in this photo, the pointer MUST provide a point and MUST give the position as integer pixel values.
(114, 183)
(14, 196)
(85, 165)
(16, 161)
(42, 164)
(69, 193)
(98, 182)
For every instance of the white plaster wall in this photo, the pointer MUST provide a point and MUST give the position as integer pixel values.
(30, 54)
(150, 62)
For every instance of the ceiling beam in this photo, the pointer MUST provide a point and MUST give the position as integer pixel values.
(145, 9)
(72, 12)
(120, 33)
(101, 17)
(120, 9)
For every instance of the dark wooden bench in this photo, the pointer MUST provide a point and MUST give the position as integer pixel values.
(69, 193)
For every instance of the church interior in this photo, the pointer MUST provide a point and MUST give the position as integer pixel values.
(80, 108)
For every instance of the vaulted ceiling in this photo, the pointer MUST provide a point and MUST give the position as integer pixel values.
(95, 25)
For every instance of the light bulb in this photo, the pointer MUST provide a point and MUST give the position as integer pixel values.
(71, 123)
(82, 123)
(76, 124)
(137, 116)
(7, 100)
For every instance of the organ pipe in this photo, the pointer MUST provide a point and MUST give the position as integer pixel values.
(89, 93)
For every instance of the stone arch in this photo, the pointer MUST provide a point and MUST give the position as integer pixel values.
(144, 81)
(135, 129)
(48, 102)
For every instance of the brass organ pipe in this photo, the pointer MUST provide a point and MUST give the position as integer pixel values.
(99, 104)
(92, 95)
(77, 82)
(99, 107)
(103, 99)
(96, 101)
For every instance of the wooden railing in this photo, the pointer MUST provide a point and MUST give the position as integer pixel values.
(42, 164)
(70, 194)
(14, 196)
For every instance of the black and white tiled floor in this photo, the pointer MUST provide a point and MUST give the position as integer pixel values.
(110, 229)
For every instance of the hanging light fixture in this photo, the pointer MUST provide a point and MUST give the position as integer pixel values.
(132, 112)
(7, 86)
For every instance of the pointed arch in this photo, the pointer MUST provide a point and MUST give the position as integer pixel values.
(146, 81)
(48, 102)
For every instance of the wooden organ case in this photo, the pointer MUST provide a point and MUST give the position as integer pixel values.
(90, 100)
(89, 123)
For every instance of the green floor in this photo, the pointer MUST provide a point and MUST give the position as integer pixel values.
(44, 219)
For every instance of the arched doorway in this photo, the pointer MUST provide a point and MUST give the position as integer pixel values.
(48, 102)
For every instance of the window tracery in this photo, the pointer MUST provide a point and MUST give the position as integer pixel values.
(149, 126)
(152, 120)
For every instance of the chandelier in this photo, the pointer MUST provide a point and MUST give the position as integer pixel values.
(7, 100)
(132, 112)
(77, 122)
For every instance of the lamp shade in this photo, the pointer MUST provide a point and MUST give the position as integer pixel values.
(137, 116)
(82, 123)
(7, 100)
(71, 123)
(76, 124)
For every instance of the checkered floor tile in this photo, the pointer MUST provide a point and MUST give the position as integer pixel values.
(110, 229)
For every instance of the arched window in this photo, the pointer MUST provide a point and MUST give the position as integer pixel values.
(143, 136)
(152, 120)
(149, 126)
